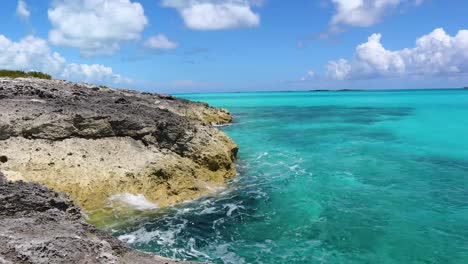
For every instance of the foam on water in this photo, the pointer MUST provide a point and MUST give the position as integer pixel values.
(232, 207)
(221, 125)
(137, 201)
(264, 154)
(130, 239)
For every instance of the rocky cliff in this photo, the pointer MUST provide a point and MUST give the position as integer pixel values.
(99, 144)
(38, 225)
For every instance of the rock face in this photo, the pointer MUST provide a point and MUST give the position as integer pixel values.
(95, 143)
(38, 225)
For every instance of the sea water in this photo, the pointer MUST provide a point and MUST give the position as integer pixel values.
(330, 177)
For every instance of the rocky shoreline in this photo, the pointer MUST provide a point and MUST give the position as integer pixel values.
(103, 147)
(38, 225)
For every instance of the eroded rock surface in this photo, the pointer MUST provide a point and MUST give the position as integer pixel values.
(95, 142)
(38, 225)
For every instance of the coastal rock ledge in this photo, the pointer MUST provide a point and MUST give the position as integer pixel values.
(38, 225)
(99, 145)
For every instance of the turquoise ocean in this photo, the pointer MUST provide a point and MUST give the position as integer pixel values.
(330, 177)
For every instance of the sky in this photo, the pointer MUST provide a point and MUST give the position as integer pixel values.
(185, 46)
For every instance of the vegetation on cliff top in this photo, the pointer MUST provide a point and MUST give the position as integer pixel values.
(23, 74)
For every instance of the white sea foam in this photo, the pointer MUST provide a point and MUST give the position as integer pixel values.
(294, 167)
(264, 154)
(209, 210)
(215, 188)
(193, 252)
(228, 257)
(232, 208)
(161, 237)
(129, 239)
(221, 125)
(138, 201)
(206, 202)
(216, 223)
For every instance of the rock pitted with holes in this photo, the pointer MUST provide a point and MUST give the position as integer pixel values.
(94, 142)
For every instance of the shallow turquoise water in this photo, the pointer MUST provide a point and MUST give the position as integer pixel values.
(350, 177)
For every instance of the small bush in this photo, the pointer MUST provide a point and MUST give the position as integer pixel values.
(23, 74)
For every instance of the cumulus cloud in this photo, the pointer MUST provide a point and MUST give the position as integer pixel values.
(339, 69)
(364, 13)
(216, 14)
(22, 10)
(435, 54)
(30, 53)
(96, 27)
(160, 42)
(33, 53)
(92, 73)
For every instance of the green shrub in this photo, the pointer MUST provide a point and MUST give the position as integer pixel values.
(23, 74)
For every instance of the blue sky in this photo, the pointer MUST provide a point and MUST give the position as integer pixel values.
(178, 46)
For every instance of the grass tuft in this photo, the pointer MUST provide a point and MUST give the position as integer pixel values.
(23, 74)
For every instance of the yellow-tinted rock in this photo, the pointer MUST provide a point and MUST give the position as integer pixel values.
(94, 144)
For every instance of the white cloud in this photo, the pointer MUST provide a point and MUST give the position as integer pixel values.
(30, 53)
(216, 14)
(435, 54)
(96, 27)
(310, 75)
(22, 10)
(339, 69)
(363, 13)
(33, 53)
(160, 42)
(92, 73)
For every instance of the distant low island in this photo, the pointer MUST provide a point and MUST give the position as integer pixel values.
(340, 90)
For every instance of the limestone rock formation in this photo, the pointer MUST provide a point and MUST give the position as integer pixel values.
(38, 225)
(95, 143)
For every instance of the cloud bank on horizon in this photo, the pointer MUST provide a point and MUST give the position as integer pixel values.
(33, 53)
(435, 54)
(102, 30)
